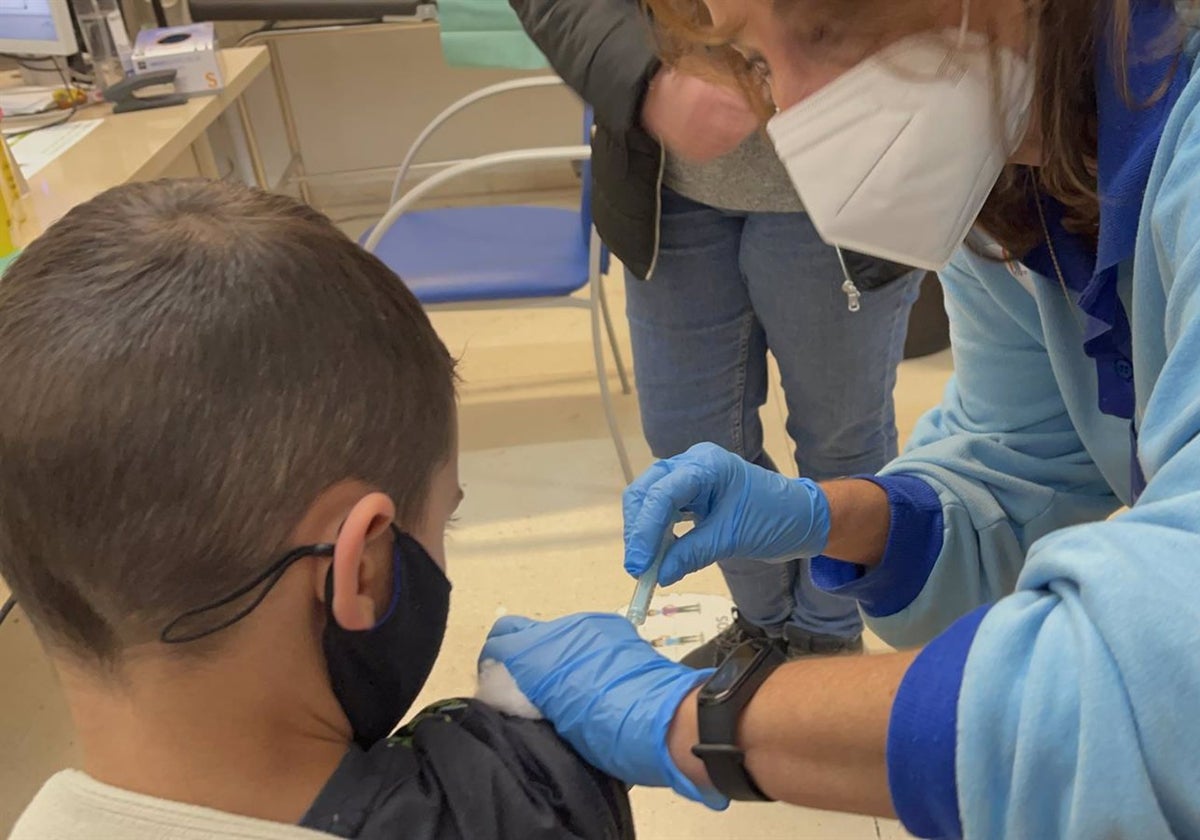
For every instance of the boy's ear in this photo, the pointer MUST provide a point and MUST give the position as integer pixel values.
(361, 581)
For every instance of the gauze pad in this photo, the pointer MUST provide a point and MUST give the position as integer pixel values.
(499, 690)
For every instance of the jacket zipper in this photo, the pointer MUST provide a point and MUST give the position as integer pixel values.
(662, 168)
(849, 287)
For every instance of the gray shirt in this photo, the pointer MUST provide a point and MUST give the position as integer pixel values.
(750, 178)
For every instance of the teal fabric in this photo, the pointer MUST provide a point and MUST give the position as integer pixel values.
(486, 33)
(4, 261)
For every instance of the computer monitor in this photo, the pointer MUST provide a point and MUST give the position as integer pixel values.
(36, 27)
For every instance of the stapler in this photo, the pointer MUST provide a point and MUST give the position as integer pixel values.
(124, 94)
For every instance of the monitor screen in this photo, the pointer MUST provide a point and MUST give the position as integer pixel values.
(36, 26)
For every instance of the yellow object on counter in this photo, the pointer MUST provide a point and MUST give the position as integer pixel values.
(71, 97)
(12, 213)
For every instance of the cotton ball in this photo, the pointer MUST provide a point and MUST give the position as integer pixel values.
(499, 690)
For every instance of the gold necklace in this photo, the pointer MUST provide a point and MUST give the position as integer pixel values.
(1062, 280)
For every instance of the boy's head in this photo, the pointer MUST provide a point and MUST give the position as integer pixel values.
(197, 378)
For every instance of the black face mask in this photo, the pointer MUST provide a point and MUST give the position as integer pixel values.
(376, 674)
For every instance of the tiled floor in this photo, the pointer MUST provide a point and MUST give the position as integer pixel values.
(539, 535)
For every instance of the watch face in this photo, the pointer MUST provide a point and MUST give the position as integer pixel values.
(730, 673)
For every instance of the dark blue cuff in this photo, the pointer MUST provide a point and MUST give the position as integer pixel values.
(914, 543)
(922, 734)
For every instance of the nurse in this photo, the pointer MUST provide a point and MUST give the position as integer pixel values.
(1050, 152)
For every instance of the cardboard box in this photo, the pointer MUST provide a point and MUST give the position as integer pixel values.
(191, 51)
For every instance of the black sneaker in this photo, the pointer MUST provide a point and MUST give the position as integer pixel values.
(717, 649)
(802, 643)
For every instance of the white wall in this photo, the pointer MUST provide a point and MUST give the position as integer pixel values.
(361, 97)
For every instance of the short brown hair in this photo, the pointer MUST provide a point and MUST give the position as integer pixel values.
(186, 366)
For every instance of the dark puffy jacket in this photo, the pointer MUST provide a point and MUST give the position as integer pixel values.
(463, 771)
(604, 50)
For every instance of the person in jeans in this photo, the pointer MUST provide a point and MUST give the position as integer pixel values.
(722, 265)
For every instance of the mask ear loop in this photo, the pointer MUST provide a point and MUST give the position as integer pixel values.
(951, 61)
(177, 632)
(964, 32)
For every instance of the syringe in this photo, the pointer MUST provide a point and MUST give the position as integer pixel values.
(639, 604)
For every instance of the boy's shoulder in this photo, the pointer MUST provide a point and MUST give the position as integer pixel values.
(459, 771)
(462, 770)
(73, 806)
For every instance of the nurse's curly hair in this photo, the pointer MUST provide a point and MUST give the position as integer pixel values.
(1067, 34)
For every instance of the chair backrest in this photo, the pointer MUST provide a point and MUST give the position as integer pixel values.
(585, 204)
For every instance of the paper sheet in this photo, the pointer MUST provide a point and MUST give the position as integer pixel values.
(21, 102)
(677, 624)
(35, 150)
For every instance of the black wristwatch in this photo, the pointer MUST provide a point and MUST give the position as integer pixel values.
(720, 706)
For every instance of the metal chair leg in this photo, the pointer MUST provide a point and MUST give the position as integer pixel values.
(610, 413)
(612, 337)
(289, 124)
(251, 140)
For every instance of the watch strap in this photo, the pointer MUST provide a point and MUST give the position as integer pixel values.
(726, 766)
(718, 725)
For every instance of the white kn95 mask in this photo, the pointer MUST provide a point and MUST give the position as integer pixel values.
(896, 157)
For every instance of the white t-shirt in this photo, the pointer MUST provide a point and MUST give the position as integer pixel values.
(74, 806)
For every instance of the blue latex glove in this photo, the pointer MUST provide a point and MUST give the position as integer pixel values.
(607, 692)
(742, 511)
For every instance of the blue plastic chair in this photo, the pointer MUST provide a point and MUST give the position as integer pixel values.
(465, 258)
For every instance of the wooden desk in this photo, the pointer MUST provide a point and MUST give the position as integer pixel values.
(138, 146)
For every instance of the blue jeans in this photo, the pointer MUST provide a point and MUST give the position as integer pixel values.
(727, 287)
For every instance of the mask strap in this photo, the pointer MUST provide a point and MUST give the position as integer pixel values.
(178, 631)
(964, 24)
(399, 538)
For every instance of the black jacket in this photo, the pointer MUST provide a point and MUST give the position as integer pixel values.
(604, 50)
(463, 771)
